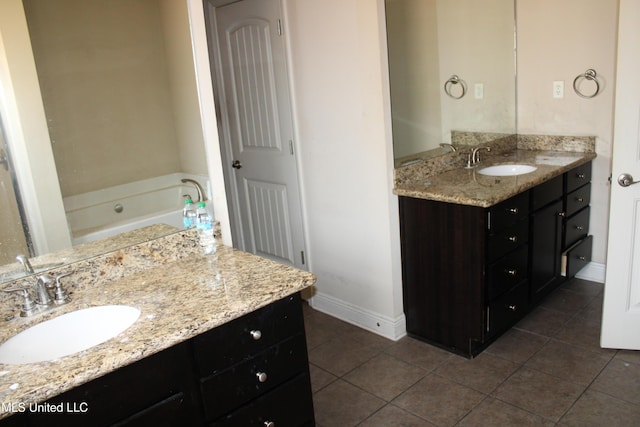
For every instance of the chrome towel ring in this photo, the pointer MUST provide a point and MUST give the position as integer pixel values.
(454, 80)
(591, 75)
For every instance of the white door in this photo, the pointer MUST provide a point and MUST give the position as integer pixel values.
(621, 316)
(253, 92)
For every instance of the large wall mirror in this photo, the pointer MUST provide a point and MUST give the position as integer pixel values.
(437, 50)
(119, 91)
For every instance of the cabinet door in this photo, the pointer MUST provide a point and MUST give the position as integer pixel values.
(546, 250)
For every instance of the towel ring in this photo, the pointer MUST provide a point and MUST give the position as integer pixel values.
(454, 80)
(591, 75)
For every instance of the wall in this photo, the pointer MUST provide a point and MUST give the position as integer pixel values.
(106, 88)
(341, 103)
(414, 75)
(27, 133)
(557, 41)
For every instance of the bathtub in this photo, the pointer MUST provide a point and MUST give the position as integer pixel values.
(110, 211)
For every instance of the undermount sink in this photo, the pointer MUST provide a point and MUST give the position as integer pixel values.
(67, 334)
(507, 170)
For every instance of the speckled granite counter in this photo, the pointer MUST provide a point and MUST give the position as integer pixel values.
(174, 287)
(468, 187)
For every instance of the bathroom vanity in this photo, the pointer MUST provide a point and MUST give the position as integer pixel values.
(206, 350)
(479, 252)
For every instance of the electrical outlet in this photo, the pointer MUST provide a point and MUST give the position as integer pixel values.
(558, 89)
(479, 91)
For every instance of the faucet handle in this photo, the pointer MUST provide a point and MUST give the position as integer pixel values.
(60, 295)
(28, 307)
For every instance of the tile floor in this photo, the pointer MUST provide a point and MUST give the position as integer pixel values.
(547, 370)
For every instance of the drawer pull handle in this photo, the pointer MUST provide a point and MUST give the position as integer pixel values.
(269, 424)
(262, 377)
(582, 258)
(579, 199)
(580, 176)
(512, 238)
(579, 227)
(513, 211)
(512, 272)
(513, 307)
(256, 334)
(562, 214)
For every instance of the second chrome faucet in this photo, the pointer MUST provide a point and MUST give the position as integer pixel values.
(473, 159)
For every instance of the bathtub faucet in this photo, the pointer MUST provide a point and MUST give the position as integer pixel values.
(198, 188)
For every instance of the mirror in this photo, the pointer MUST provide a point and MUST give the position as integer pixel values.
(120, 97)
(452, 73)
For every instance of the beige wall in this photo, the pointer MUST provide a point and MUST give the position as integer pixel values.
(107, 94)
(558, 40)
(414, 75)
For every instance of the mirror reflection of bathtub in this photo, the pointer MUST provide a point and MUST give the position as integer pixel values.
(110, 211)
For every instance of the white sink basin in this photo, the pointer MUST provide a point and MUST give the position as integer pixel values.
(507, 170)
(67, 334)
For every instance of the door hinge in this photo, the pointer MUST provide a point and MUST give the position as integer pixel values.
(291, 147)
(279, 27)
(302, 257)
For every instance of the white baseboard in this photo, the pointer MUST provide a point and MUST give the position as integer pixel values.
(388, 327)
(594, 271)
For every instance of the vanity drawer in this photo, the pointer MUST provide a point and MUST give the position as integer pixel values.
(507, 240)
(578, 199)
(578, 256)
(229, 389)
(507, 272)
(289, 405)
(576, 227)
(547, 192)
(248, 335)
(577, 177)
(509, 212)
(507, 310)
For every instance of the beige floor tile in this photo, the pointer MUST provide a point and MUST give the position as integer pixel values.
(439, 400)
(620, 379)
(385, 376)
(392, 416)
(320, 378)
(517, 346)
(495, 413)
(566, 301)
(342, 404)
(484, 373)
(539, 393)
(418, 353)
(340, 356)
(568, 362)
(585, 333)
(544, 321)
(595, 409)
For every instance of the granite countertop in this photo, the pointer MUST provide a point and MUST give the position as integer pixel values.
(173, 286)
(468, 187)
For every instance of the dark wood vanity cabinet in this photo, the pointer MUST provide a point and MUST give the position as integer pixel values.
(251, 371)
(470, 273)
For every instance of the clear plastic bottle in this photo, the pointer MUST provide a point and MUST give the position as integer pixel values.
(189, 213)
(204, 224)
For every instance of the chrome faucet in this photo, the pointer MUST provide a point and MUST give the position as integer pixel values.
(48, 292)
(474, 157)
(198, 188)
(25, 264)
(449, 146)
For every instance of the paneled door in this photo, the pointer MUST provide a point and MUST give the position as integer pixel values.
(621, 314)
(253, 97)
(12, 233)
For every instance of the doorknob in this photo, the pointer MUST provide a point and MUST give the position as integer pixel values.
(626, 180)
(236, 164)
